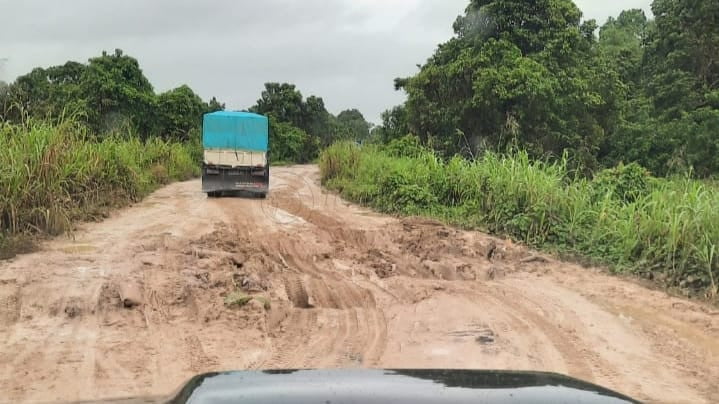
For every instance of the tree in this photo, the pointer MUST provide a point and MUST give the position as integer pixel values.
(532, 75)
(178, 112)
(316, 120)
(683, 54)
(530, 25)
(283, 101)
(621, 41)
(286, 105)
(214, 105)
(669, 69)
(296, 122)
(47, 93)
(621, 47)
(522, 73)
(30, 94)
(394, 124)
(357, 128)
(287, 142)
(109, 94)
(118, 94)
(681, 82)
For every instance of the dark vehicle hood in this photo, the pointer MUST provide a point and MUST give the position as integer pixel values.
(391, 386)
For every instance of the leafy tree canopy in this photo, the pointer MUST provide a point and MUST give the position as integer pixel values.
(110, 94)
(516, 73)
(353, 120)
(533, 75)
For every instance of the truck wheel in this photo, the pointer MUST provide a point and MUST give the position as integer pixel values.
(213, 194)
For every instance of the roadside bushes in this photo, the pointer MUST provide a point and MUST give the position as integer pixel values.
(665, 230)
(407, 146)
(287, 143)
(627, 182)
(343, 160)
(290, 144)
(51, 175)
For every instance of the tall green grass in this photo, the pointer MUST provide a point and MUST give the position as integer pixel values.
(666, 230)
(54, 174)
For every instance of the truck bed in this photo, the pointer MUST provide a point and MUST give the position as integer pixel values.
(235, 158)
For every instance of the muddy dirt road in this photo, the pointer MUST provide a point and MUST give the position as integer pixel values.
(136, 304)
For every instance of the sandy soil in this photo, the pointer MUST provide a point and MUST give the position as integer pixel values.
(135, 305)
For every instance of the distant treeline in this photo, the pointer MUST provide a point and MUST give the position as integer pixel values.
(111, 96)
(300, 127)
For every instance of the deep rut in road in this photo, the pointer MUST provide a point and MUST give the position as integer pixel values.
(181, 284)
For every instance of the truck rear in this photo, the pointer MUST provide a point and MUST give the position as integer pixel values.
(235, 153)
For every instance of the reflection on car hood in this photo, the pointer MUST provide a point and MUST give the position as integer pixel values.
(391, 386)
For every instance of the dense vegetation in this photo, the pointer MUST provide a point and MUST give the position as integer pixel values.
(78, 138)
(111, 95)
(53, 174)
(661, 229)
(532, 74)
(532, 123)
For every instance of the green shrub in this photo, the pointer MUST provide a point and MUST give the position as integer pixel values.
(401, 193)
(289, 143)
(341, 157)
(408, 146)
(625, 182)
(286, 141)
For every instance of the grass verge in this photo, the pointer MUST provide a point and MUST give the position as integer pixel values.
(54, 175)
(666, 230)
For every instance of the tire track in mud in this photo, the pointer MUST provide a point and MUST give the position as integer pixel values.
(378, 339)
(335, 336)
(529, 329)
(338, 345)
(296, 291)
(340, 302)
(535, 318)
(571, 352)
(283, 347)
(570, 323)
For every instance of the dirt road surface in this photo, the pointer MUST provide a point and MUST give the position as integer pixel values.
(136, 304)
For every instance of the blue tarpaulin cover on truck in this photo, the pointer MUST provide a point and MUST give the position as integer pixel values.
(235, 130)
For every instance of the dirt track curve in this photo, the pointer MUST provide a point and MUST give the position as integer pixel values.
(346, 288)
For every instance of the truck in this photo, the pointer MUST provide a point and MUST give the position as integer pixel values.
(235, 155)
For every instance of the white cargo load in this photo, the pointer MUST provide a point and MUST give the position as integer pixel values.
(235, 158)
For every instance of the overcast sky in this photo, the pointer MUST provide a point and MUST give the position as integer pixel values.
(346, 51)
